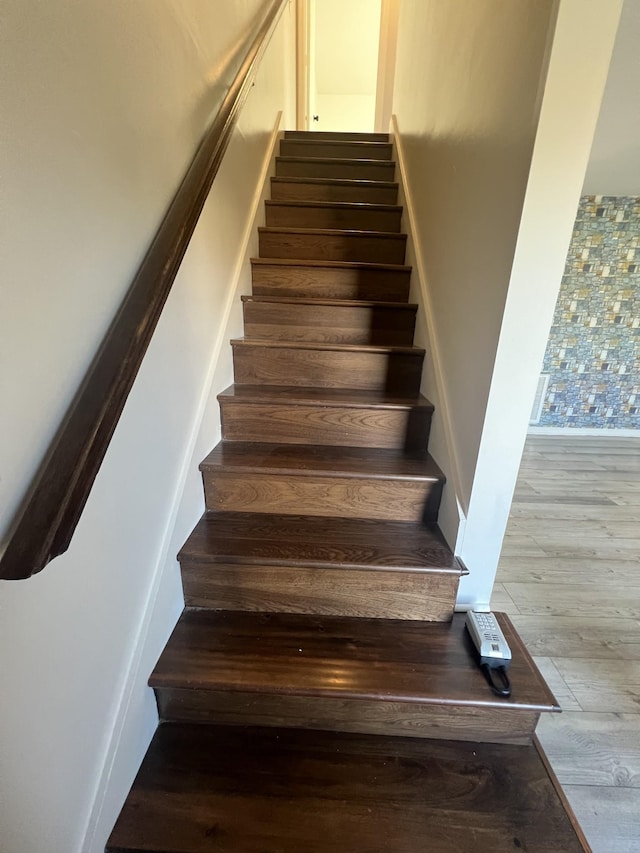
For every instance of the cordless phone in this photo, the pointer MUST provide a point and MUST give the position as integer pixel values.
(492, 647)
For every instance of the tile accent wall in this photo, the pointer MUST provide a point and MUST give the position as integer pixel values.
(593, 351)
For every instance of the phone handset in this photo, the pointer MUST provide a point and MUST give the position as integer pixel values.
(494, 651)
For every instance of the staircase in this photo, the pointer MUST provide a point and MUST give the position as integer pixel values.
(344, 709)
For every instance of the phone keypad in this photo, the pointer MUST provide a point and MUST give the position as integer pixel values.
(487, 625)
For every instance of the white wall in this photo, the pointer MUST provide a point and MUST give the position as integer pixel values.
(103, 105)
(573, 93)
(469, 87)
(346, 63)
(466, 99)
(614, 163)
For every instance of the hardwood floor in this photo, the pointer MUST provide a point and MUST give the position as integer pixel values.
(247, 790)
(569, 578)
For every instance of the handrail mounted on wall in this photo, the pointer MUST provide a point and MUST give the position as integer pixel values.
(45, 523)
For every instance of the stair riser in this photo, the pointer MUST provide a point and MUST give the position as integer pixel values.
(331, 283)
(329, 323)
(346, 246)
(449, 722)
(420, 596)
(336, 148)
(281, 214)
(284, 190)
(364, 171)
(327, 496)
(309, 368)
(328, 425)
(336, 134)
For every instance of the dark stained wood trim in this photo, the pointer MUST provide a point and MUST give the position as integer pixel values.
(562, 796)
(45, 523)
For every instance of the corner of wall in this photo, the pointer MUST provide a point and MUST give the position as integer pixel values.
(441, 441)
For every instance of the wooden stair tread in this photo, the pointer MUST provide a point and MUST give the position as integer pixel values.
(336, 134)
(347, 161)
(268, 562)
(335, 303)
(313, 541)
(323, 397)
(349, 265)
(365, 144)
(333, 232)
(315, 345)
(356, 182)
(390, 660)
(301, 460)
(236, 789)
(339, 205)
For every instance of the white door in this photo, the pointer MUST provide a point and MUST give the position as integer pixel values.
(343, 39)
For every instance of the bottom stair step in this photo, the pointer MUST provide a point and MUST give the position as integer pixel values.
(377, 676)
(244, 790)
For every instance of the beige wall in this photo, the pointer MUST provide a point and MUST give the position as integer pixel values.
(102, 107)
(467, 93)
(492, 182)
(614, 163)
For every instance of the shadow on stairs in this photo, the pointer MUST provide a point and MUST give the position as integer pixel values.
(318, 693)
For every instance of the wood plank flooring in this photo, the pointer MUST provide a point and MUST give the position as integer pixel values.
(237, 790)
(569, 577)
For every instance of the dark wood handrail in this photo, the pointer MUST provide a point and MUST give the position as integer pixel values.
(45, 523)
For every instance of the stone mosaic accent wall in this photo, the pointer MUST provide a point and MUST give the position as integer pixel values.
(593, 352)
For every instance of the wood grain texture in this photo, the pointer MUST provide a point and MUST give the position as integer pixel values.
(314, 460)
(240, 790)
(574, 599)
(593, 749)
(611, 573)
(330, 279)
(330, 496)
(608, 816)
(364, 716)
(347, 215)
(339, 658)
(338, 543)
(341, 148)
(326, 591)
(305, 419)
(327, 189)
(501, 600)
(331, 321)
(47, 518)
(322, 481)
(600, 685)
(324, 244)
(340, 366)
(577, 499)
(562, 796)
(557, 684)
(299, 564)
(317, 167)
(576, 637)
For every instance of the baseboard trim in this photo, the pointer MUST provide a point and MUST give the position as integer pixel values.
(584, 432)
(132, 673)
